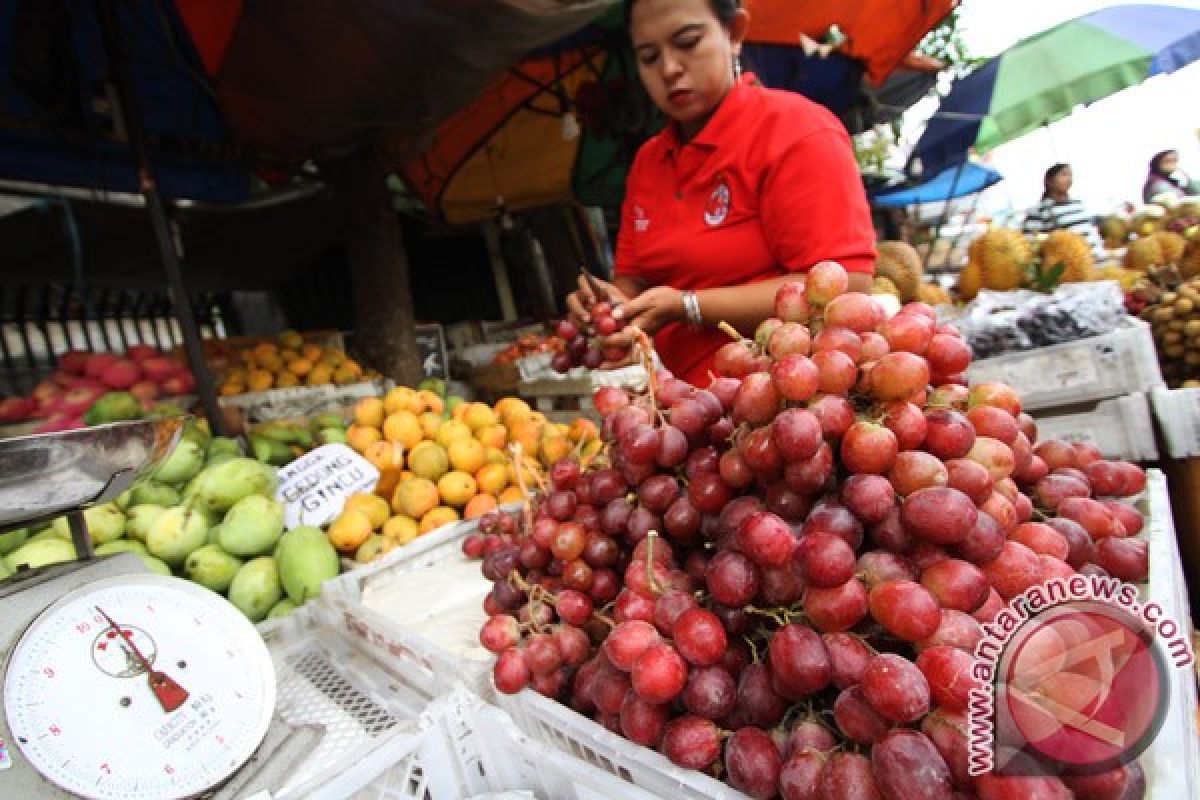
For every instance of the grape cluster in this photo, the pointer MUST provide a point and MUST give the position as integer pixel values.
(780, 578)
(580, 349)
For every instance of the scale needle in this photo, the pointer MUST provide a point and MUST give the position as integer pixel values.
(169, 693)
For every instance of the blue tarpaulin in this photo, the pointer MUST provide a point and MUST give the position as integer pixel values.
(948, 184)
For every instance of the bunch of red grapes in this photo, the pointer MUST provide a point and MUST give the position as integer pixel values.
(780, 578)
(580, 350)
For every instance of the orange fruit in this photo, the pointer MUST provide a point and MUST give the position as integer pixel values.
(456, 488)
(350, 530)
(492, 478)
(466, 455)
(229, 389)
(286, 380)
(450, 430)
(510, 495)
(402, 529)
(428, 460)
(369, 412)
(403, 427)
(265, 350)
(458, 411)
(374, 506)
(415, 498)
(437, 518)
(494, 455)
(583, 429)
(360, 437)
(385, 487)
(343, 375)
(288, 356)
(493, 436)
(530, 468)
(291, 340)
(402, 398)
(479, 505)
(321, 375)
(311, 352)
(432, 401)
(479, 415)
(300, 366)
(271, 363)
(430, 422)
(385, 456)
(554, 449)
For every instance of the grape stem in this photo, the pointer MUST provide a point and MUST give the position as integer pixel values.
(650, 579)
(646, 348)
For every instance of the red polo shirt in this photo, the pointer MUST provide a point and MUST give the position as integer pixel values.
(769, 186)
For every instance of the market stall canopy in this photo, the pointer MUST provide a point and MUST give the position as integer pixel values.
(949, 184)
(1045, 77)
(565, 122)
(318, 78)
(57, 120)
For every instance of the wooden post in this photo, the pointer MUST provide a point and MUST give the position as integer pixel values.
(384, 320)
(491, 237)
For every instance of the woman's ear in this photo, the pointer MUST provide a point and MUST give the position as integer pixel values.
(737, 29)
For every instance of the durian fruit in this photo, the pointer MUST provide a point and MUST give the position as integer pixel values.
(1149, 219)
(1072, 251)
(1172, 245)
(1189, 262)
(1115, 231)
(900, 263)
(970, 280)
(884, 285)
(932, 294)
(1144, 254)
(1003, 255)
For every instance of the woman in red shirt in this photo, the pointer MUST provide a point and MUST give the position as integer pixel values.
(743, 188)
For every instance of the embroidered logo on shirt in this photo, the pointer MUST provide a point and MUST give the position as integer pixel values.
(718, 204)
(640, 222)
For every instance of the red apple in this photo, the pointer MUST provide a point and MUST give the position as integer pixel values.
(146, 391)
(97, 363)
(86, 383)
(140, 352)
(74, 361)
(121, 374)
(159, 368)
(77, 401)
(15, 409)
(63, 378)
(176, 385)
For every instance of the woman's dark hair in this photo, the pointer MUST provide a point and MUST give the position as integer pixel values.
(725, 10)
(1050, 175)
(1156, 162)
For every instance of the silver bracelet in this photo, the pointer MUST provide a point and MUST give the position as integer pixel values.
(691, 309)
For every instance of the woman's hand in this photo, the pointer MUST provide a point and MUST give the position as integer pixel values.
(583, 298)
(649, 311)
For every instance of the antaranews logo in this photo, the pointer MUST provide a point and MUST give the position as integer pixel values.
(1074, 679)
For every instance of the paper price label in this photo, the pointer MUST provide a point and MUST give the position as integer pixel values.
(314, 487)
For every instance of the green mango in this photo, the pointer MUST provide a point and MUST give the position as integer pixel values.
(435, 385)
(49, 533)
(113, 407)
(255, 588)
(182, 464)
(215, 489)
(331, 436)
(156, 565)
(51, 550)
(306, 560)
(12, 540)
(327, 420)
(105, 523)
(122, 546)
(151, 493)
(5, 570)
(175, 533)
(223, 445)
(124, 499)
(140, 518)
(367, 551)
(214, 534)
(282, 608)
(211, 567)
(197, 431)
(252, 526)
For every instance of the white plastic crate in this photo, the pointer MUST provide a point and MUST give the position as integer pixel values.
(419, 609)
(1121, 427)
(1178, 415)
(1090, 369)
(471, 749)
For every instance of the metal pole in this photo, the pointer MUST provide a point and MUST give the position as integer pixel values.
(131, 121)
(945, 213)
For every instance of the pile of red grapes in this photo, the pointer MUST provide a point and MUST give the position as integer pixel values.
(580, 351)
(780, 578)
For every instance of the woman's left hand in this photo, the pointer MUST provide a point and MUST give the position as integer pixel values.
(649, 311)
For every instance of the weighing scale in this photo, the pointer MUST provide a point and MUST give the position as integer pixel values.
(118, 682)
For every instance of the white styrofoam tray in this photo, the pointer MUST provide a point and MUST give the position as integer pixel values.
(1178, 415)
(1121, 427)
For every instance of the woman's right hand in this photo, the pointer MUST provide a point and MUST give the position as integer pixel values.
(583, 298)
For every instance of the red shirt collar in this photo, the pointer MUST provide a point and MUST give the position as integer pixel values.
(726, 115)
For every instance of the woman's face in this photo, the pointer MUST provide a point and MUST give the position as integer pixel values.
(1062, 180)
(684, 56)
(1168, 163)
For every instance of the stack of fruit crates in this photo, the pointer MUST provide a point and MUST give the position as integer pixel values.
(1092, 391)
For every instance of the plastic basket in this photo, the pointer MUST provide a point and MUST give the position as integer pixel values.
(471, 749)
(1090, 369)
(431, 656)
(1178, 415)
(1121, 427)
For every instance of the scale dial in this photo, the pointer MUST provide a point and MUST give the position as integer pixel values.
(88, 716)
